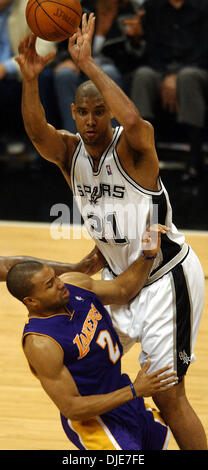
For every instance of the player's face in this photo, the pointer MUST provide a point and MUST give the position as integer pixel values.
(93, 119)
(49, 291)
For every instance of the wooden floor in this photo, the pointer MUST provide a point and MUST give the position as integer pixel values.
(28, 419)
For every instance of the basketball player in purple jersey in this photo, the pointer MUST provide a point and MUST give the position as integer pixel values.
(75, 352)
(108, 167)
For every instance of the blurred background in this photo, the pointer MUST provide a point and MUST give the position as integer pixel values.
(157, 51)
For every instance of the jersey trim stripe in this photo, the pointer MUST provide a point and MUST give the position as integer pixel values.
(134, 183)
(178, 259)
(40, 334)
(167, 438)
(93, 434)
(158, 419)
(182, 321)
(169, 248)
(74, 159)
(109, 434)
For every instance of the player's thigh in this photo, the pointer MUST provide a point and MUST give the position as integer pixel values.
(172, 312)
(171, 400)
(196, 287)
(157, 335)
(166, 335)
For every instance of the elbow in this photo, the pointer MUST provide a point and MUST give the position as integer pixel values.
(71, 412)
(75, 411)
(72, 415)
(33, 134)
(132, 120)
(124, 295)
(75, 415)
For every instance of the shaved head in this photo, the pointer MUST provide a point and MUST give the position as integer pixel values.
(87, 89)
(19, 278)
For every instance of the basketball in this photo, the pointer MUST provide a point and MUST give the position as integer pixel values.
(53, 20)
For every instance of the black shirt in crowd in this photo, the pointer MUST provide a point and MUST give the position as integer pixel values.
(175, 37)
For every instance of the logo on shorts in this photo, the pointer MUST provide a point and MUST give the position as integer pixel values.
(184, 357)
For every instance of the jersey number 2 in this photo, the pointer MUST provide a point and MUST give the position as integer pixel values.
(104, 339)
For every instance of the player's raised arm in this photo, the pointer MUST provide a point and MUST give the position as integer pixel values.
(90, 264)
(53, 145)
(129, 283)
(139, 133)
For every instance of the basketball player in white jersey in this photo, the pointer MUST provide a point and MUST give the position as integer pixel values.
(114, 174)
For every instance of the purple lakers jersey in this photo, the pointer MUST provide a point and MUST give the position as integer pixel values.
(92, 354)
(92, 351)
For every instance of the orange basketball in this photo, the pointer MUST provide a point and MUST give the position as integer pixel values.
(53, 20)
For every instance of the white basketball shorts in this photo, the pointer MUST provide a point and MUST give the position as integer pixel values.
(164, 317)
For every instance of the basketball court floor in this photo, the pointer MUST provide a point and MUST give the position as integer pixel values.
(28, 419)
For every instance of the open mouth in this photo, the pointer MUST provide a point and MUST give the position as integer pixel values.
(90, 133)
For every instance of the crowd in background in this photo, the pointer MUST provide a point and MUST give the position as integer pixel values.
(155, 50)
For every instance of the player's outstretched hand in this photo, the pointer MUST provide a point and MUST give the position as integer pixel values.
(80, 43)
(146, 385)
(151, 239)
(31, 63)
(92, 263)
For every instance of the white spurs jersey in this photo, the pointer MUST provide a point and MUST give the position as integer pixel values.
(117, 210)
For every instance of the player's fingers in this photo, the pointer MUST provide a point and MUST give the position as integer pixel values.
(155, 228)
(167, 384)
(84, 23)
(23, 43)
(165, 377)
(74, 37)
(29, 43)
(163, 228)
(18, 59)
(91, 19)
(91, 25)
(147, 365)
(161, 371)
(172, 380)
(32, 40)
(163, 388)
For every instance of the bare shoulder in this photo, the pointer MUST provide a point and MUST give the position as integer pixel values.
(41, 351)
(139, 137)
(138, 156)
(71, 142)
(79, 279)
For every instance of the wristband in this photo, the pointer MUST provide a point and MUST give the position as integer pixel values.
(148, 257)
(133, 390)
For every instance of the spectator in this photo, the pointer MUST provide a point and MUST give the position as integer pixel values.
(139, 2)
(13, 28)
(175, 68)
(112, 50)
